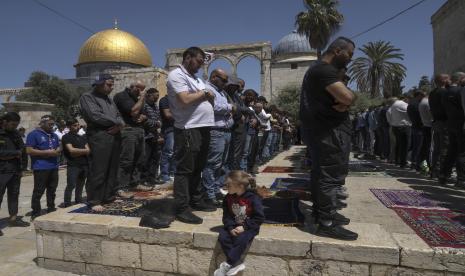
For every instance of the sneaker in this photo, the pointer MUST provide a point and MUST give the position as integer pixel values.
(234, 270)
(18, 223)
(188, 217)
(223, 191)
(204, 206)
(143, 188)
(336, 232)
(221, 271)
(340, 219)
(124, 194)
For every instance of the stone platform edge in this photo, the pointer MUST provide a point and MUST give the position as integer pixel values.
(111, 245)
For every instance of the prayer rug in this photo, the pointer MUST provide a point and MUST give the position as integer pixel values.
(294, 157)
(438, 228)
(277, 169)
(404, 198)
(127, 208)
(363, 166)
(290, 184)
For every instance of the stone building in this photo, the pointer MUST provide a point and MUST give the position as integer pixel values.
(449, 37)
(291, 58)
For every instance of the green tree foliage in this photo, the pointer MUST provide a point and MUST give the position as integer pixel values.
(52, 90)
(319, 22)
(363, 102)
(378, 72)
(288, 99)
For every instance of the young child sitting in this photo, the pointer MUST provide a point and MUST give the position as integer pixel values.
(242, 217)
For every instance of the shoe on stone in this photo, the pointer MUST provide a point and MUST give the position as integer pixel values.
(143, 188)
(188, 217)
(340, 219)
(234, 270)
(336, 232)
(154, 222)
(222, 270)
(204, 206)
(1, 234)
(124, 194)
(34, 216)
(50, 210)
(213, 202)
(18, 223)
(64, 205)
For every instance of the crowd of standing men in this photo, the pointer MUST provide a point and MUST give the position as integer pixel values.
(426, 129)
(197, 133)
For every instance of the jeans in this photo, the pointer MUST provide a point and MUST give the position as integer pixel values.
(246, 151)
(75, 178)
(330, 165)
(104, 161)
(44, 180)
(236, 149)
(265, 146)
(10, 182)
(167, 160)
(131, 158)
(215, 169)
(191, 156)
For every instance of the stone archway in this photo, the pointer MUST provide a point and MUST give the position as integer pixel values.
(234, 53)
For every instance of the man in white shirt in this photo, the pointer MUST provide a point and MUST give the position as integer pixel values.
(192, 108)
(400, 123)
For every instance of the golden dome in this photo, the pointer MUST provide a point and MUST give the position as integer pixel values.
(114, 45)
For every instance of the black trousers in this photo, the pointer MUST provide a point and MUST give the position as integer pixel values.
(234, 247)
(425, 149)
(253, 152)
(44, 180)
(152, 160)
(402, 140)
(10, 182)
(440, 145)
(76, 178)
(330, 165)
(191, 151)
(132, 158)
(104, 161)
(236, 149)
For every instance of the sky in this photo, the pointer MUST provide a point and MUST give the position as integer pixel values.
(34, 38)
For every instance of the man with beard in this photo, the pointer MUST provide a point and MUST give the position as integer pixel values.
(325, 101)
(43, 145)
(192, 108)
(12, 162)
(104, 125)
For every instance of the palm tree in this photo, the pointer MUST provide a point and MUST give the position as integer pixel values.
(378, 72)
(319, 22)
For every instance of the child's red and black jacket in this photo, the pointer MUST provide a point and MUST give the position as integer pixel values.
(245, 210)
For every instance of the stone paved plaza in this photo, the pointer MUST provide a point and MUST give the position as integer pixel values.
(111, 245)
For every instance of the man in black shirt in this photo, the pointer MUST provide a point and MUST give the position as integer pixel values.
(452, 104)
(13, 161)
(76, 151)
(104, 125)
(324, 105)
(130, 103)
(440, 133)
(417, 128)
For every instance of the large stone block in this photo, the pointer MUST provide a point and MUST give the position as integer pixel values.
(195, 262)
(39, 245)
(279, 247)
(73, 267)
(386, 270)
(306, 267)
(265, 266)
(123, 254)
(205, 240)
(140, 272)
(103, 270)
(335, 268)
(75, 223)
(52, 245)
(82, 248)
(159, 258)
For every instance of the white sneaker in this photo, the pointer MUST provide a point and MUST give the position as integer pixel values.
(223, 192)
(234, 270)
(221, 271)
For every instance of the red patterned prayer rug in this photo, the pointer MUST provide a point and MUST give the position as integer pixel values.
(277, 169)
(405, 198)
(438, 228)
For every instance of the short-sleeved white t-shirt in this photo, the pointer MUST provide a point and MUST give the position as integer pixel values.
(195, 115)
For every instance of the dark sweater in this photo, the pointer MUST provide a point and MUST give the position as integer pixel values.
(245, 210)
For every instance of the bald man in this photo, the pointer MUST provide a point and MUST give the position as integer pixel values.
(220, 137)
(130, 103)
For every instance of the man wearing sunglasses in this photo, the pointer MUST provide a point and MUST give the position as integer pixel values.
(220, 137)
